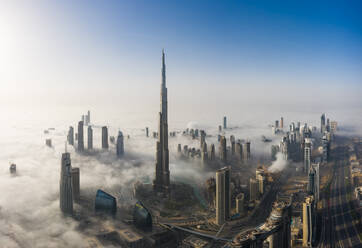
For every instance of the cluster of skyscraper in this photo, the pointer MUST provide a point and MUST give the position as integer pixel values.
(105, 145)
(238, 149)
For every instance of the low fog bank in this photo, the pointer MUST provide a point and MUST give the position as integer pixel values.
(29, 206)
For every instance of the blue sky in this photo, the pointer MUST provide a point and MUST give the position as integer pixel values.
(109, 46)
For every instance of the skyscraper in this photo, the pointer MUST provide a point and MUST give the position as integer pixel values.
(88, 117)
(66, 189)
(120, 146)
(323, 123)
(204, 155)
(71, 136)
(90, 138)
(162, 177)
(253, 189)
(80, 137)
(246, 151)
(307, 154)
(222, 149)
(239, 151)
(223, 195)
(311, 181)
(240, 203)
(281, 122)
(104, 137)
(308, 222)
(212, 152)
(75, 184)
(225, 126)
(325, 145)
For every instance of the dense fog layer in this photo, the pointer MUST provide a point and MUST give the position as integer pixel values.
(29, 205)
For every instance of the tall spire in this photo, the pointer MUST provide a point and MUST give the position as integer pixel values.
(163, 69)
(162, 179)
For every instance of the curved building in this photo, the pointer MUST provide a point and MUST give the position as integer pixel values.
(105, 202)
(141, 216)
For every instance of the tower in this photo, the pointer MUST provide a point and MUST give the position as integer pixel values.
(120, 146)
(246, 151)
(308, 221)
(71, 136)
(162, 177)
(66, 189)
(222, 149)
(80, 136)
(323, 123)
(253, 189)
(212, 152)
(225, 125)
(307, 154)
(88, 117)
(75, 184)
(204, 152)
(90, 138)
(239, 150)
(223, 195)
(104, 137)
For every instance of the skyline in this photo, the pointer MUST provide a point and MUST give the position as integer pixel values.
(253, 141)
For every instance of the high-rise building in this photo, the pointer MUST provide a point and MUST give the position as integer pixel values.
(88, 118)
(253, 189)
(225, 124)
(76, 184)
(223, 195)
(239, 150)
(240, 203)
(246, 151)
(104, 137)
(147, 132)
(66, 189)
(212, 152)
(313, 181)
(334, 127)
(202, 138)
(307, 154)
(162, 178)
(71, 136)
(325, 146)
(308, 222)
(328, 127)
(120, 145)
(204, 154)
(261, 184)
(323, 123)
(281, 122)
(276, 124)
(90, 138)
(232, 142)
(80, 137)
(222, 149)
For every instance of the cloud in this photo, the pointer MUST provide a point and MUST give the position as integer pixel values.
(279, 164)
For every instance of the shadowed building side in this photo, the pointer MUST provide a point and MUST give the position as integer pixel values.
(66, 189)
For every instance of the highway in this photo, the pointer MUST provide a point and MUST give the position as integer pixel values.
(338, 230)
